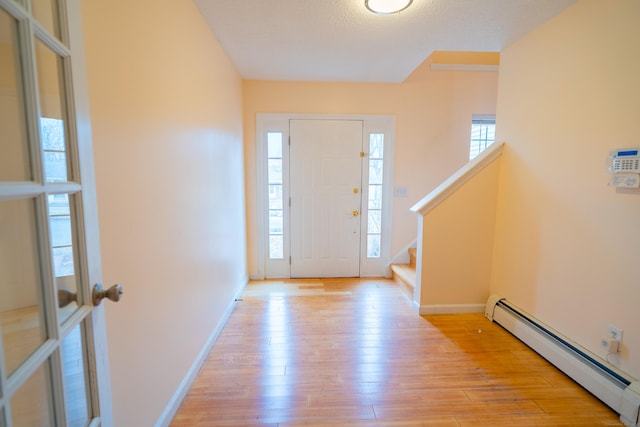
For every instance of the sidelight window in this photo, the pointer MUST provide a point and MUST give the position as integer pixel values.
(276, 202)
(374, 219)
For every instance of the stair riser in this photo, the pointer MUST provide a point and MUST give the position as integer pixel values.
(412, 257)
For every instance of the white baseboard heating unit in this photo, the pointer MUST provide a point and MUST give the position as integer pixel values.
(620, 392)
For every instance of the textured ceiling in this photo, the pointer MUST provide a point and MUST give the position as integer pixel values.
(339, 40)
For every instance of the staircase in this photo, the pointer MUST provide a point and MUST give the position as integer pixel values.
(405, 274)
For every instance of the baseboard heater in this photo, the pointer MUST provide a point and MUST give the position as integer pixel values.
(619, 391)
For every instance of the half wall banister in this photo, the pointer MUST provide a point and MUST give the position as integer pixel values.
(456, 223)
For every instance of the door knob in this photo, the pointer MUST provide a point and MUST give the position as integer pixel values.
(355, 212)
(114, 293)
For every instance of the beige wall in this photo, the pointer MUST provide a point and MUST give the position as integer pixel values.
(433, 119)
(566, 243)
(167, 127)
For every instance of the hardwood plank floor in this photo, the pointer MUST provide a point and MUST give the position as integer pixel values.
(352, 352)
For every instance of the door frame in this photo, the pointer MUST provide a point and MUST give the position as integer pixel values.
(275, 122)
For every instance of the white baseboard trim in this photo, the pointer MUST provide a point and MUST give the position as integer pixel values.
(244, 283)
(181, 392)
(452, 308)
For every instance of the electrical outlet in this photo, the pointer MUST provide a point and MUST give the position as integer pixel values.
(609, 344)
(615, 333)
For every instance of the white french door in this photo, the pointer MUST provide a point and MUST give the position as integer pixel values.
(325, 169)
(323, 200)
(53, 355)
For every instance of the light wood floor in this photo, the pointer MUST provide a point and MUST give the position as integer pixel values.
(353, 353)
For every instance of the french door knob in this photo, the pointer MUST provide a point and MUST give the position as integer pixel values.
(114, 293)
(355, 212)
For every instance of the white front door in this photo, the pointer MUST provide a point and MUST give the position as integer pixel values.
(325, 167)
(53, 356)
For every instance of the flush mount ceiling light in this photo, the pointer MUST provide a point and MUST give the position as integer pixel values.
(387, 6)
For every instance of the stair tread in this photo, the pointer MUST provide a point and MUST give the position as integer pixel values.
(405, 272)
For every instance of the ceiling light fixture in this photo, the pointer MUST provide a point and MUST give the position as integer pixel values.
(386, 7)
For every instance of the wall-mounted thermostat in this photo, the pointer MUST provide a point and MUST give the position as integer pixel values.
(624, 166)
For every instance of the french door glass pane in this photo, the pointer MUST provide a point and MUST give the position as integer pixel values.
(61, 224)
(46, 13)
(74, 378)
(60, 227)
(55, 156)
(31, 405)
(21, 314)
(53, 116)
(14, 161)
